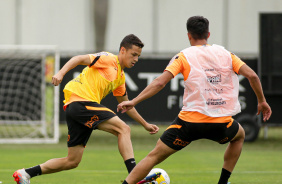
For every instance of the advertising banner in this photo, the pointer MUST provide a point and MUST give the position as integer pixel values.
(164, 107)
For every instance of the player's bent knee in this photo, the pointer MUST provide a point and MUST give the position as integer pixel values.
(240, 135)
(241, 132)
(73, 164)
(125, 129)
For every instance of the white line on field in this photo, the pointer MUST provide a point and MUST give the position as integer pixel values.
(171, 172)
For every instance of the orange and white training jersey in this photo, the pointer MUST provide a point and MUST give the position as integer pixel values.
(102, 76)
(211, 86)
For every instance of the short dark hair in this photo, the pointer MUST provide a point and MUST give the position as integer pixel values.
(130, 40)
(198, 27)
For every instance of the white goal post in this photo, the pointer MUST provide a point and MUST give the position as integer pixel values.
(29, 111)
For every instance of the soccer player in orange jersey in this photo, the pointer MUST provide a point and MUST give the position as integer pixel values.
(84, 113)
(210, 100)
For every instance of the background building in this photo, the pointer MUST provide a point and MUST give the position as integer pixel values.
(77, 26)
(89, 26)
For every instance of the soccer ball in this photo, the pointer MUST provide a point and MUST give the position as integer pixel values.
(163, 179)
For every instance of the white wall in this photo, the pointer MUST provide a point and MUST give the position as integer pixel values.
(243, 23)
(160, 24)
(54, 22)
(126, 17)
(173, 16)
(7, 22)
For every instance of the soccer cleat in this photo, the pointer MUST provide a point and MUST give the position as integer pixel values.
(21, 177)
(150, 178)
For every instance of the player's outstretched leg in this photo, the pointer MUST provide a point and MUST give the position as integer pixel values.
(75, 153)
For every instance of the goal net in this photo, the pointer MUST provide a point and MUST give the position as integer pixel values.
(28, 101)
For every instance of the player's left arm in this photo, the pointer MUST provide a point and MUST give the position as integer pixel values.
(255, 83)
(137, 117)
(243, 69)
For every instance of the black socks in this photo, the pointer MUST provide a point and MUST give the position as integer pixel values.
(224, 176)
(34, 171)
(124, 182)
(130, 164)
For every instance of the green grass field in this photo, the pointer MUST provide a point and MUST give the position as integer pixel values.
(199, 163)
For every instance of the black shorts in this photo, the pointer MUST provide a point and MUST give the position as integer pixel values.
(82, 118)
(181, 133)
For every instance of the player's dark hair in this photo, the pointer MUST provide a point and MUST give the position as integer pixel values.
(130, 40)
(198, 27)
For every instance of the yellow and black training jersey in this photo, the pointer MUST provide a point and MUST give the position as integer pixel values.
(102, 76)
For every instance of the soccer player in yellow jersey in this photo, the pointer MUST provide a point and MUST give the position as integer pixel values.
(210, 100)
(84, 113)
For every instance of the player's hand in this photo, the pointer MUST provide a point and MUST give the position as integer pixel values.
(57, 79)
(265, 109)
(151, 128)
(125, 106)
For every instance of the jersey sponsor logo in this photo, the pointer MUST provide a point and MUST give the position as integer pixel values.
(212, 69)
(209, 70)
(217, 101)
(77, 80)
(180, 142)
(214, 79)
(92, 121)
(218, 91)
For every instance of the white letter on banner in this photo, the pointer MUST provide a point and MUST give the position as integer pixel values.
(75, 74)
(130, 83)
(149, 76)
(180, 102)
(171, 100)
(174, 85)
(241, 88)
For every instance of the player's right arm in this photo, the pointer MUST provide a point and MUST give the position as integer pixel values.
(157, 85)
(72, 63)
(255, 83)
